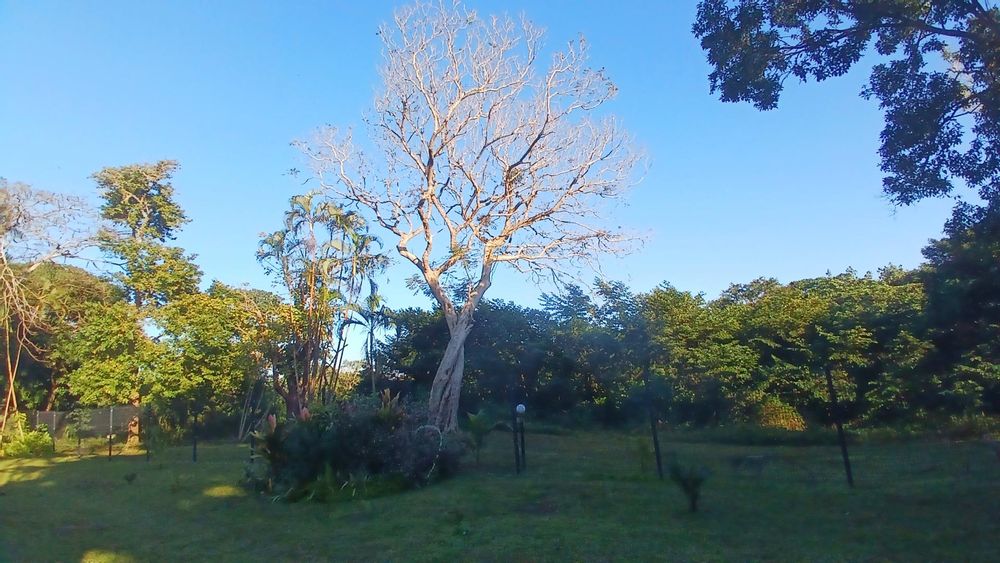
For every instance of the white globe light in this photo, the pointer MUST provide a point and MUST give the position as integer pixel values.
(520, 409)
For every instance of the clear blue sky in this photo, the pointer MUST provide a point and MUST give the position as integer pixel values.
(223, 87)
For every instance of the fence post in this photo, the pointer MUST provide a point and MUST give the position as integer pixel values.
(111, 426)
(652, 418)
(194, 439)
(840, 427)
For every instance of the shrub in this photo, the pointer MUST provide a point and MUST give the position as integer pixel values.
(479, 426)
(27, 443)
(356, 447)
(774, 413)
(78, 424)
(689, 479)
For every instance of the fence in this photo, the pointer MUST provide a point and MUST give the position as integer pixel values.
(96, 422)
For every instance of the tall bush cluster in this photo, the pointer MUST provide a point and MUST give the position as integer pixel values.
(364, 446)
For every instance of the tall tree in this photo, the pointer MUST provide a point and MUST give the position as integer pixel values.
(323, 256)
(940, 90)
(142, 216)
(480, 147)
(963, 294)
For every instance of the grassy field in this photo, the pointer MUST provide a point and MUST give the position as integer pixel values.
(585, 496)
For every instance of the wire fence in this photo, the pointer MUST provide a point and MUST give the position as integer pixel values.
(85, 423)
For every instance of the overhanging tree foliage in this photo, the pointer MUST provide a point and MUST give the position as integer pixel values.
(940, 88)
(141, 216)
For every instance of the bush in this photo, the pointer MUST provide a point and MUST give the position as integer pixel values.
(689, 479)
(358, 447)
(30, 443)
(934, 428)
(775, 413)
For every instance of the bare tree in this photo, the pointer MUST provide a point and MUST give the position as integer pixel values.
(482, 158)
(36, 227)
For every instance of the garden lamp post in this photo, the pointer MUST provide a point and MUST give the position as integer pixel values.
(519, 437)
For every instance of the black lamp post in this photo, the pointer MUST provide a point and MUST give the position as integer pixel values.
(520, 423)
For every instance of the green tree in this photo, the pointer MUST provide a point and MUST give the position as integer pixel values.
(208, 361)
(322, 257)
(963, 294)
(939, 85)
(111, 353)
(142, 215)
(64, 294)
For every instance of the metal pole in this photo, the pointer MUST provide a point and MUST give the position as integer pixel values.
(194, 442)
(111, 423)
(835, 407)
(652, 420)
(520, 424)
(144, 431)
(517, 447)
(511, 396)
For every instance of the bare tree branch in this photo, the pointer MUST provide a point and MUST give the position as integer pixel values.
(484, 157)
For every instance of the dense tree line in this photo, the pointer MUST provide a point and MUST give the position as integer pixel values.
(899, 345)
(136, 326)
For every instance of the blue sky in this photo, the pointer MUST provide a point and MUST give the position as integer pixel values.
(223, 87)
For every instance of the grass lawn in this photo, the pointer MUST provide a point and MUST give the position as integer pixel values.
(584, 497)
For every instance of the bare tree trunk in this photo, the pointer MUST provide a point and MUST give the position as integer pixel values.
(10, 401)
(50, 395)
(447, 386)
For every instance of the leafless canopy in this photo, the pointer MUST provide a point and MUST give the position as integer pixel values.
(481, 159)
(36, 227)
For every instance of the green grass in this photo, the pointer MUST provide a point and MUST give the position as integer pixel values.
(585, 496)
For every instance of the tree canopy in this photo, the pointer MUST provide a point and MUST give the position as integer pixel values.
(938, 84)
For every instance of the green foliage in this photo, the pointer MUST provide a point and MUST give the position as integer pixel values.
(323, 256)
(78, 424)
(32, 443)
(479, 426)
(939, 88)
(109, 353)
(139, 204)
(755, 355)
(63, 295)
(21, 442)
(963, 309)
(776, 414)
(350, 446)
(690, 480)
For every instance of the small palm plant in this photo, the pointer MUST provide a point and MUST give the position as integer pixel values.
(480, 425)
(689, 479)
